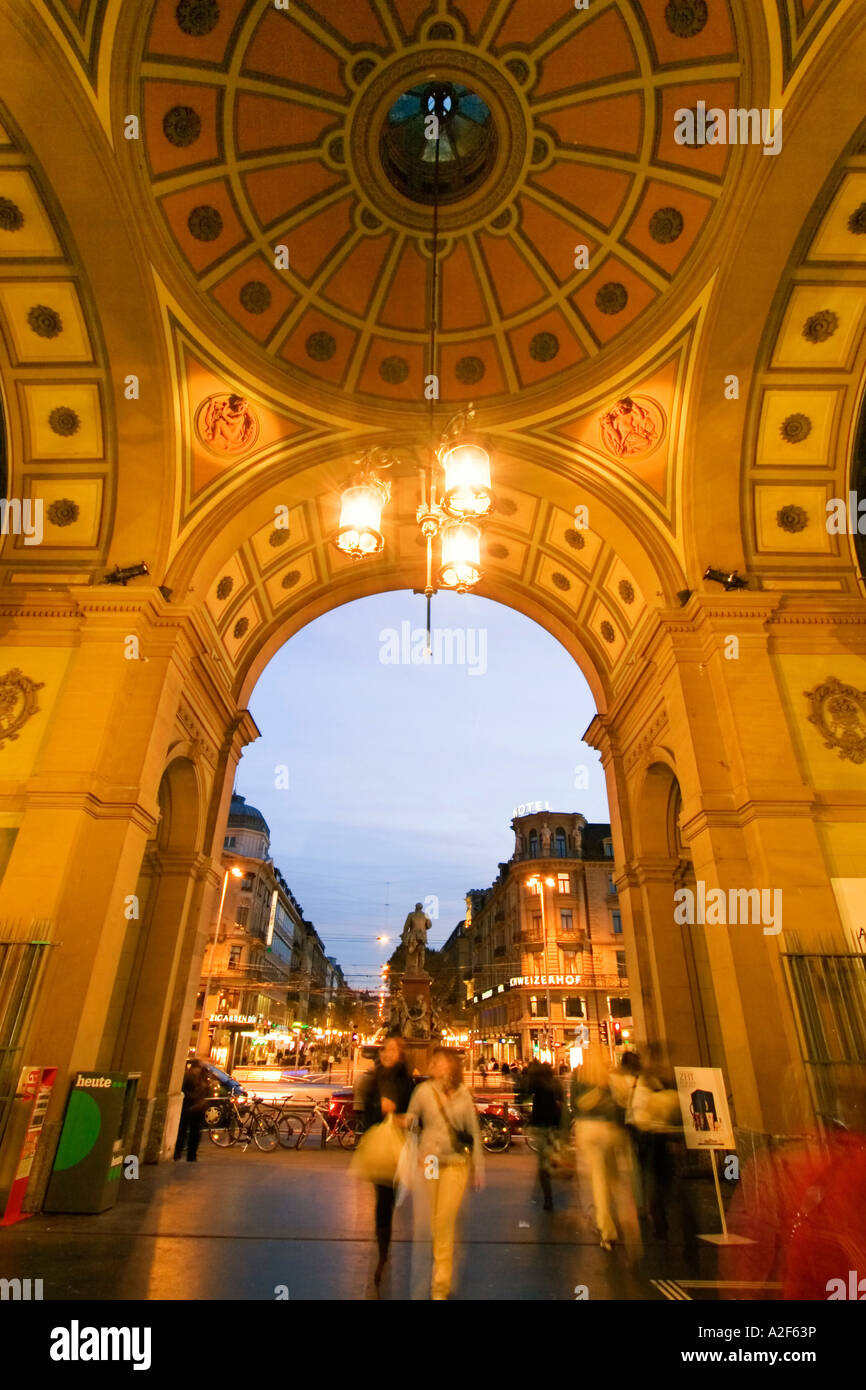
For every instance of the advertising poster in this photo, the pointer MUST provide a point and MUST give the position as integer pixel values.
(704, 1106)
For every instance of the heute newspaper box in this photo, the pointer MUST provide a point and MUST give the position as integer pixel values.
(32, 1095)
(89, 1159)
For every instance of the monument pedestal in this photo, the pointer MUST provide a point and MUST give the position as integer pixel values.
(416, 989)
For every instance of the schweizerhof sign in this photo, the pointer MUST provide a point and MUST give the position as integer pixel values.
(544, 980)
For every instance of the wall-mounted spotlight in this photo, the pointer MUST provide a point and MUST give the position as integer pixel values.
(123, 576)
(730, 581)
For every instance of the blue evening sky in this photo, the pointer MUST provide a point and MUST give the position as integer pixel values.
(408, 775)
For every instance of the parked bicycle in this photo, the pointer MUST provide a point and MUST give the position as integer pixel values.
(294, 1124)
(231, 1122)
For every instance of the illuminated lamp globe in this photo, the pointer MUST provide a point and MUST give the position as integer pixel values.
(461, 556)
(360, 532)
(467, 480)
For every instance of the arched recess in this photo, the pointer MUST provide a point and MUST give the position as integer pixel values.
(161, 955)
(661, 956)
(821, 127)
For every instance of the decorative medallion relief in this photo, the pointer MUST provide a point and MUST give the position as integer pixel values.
(857, 221)
(821, 326)
(792, 518)
(45, 322)
(635, 425)
(11, 216)
(226, 424)
(666, 225)
(839, 714)
(795, 428)
(17, 703)
(63, 512)
(686, 18)
(64, 421)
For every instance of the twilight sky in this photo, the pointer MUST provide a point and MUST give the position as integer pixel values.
(408, 774)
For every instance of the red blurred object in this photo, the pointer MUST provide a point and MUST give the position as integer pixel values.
(505, 1111)
(805, 1209)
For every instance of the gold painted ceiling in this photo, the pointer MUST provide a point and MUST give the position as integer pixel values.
(262, 129)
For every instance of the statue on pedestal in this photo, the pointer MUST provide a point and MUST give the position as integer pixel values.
(399, 1013)
(545, 838)
(414, 939)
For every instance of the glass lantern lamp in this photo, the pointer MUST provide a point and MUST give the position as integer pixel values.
(360, 530)
(461, 556)
(466, 464)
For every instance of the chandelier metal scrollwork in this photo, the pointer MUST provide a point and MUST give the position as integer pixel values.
(456, 491)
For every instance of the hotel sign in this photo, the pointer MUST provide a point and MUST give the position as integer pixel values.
(534, 981)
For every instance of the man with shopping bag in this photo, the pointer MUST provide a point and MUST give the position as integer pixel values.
(378, 1153)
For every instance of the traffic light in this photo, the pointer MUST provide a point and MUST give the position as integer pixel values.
(602, 1033)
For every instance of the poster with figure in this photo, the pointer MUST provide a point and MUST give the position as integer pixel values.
(704, 1107)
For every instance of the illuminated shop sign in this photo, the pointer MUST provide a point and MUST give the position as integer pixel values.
(533, 981)
(234, 1018)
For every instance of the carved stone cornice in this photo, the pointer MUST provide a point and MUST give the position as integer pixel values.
(201, 744)
(648, 736)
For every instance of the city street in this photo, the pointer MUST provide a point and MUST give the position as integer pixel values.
(238, 1225)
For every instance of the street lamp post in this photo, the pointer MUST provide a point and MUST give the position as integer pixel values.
(537, 881)
(235, 873)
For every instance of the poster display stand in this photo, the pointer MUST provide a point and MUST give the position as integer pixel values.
(707, 1125)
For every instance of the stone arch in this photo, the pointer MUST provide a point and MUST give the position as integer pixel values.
(162, 954)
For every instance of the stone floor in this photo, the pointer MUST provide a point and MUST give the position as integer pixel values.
(237, 1225)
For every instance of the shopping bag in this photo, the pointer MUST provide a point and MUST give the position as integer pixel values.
(407, 1168)
(376, 1157)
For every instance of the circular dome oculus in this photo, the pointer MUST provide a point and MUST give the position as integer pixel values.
(467, 142)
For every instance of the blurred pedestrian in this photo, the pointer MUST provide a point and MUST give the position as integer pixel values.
(388, 1091)
(601, 1140)
(196, 1094)
(449, 1151)
(547, 1097)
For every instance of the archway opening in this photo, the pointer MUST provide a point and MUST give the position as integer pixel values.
(389, 773)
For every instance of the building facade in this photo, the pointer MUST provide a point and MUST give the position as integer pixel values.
(266, 969)
(547, 953)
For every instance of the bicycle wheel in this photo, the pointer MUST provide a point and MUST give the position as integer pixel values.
(265, 1135)
(495, 1135)
(227, 1135)
(532, 1141)
(289, 1129)
(349, 1132)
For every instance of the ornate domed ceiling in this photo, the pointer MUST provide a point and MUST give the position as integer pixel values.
(266, 128)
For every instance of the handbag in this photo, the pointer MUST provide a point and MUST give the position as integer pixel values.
(462, 1141)
(378, 1153)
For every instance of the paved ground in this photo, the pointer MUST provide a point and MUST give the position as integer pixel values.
(236, 1225)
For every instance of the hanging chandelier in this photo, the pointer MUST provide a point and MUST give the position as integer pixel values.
(456, 490)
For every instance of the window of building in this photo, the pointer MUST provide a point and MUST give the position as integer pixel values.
(561, 843)
(563, 883)
(570, 963)
(573, 1006)
(566, 920)
(608, 849)
(248, 883)
(536, 923)
(242, 915)
(230, 841)
(533, 844)
(234, 957)
(535, 887)
(620, 965)
(617, 923)
(611, 886)
(533, 1006)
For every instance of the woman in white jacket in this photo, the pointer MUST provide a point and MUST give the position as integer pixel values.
(442, 1114)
